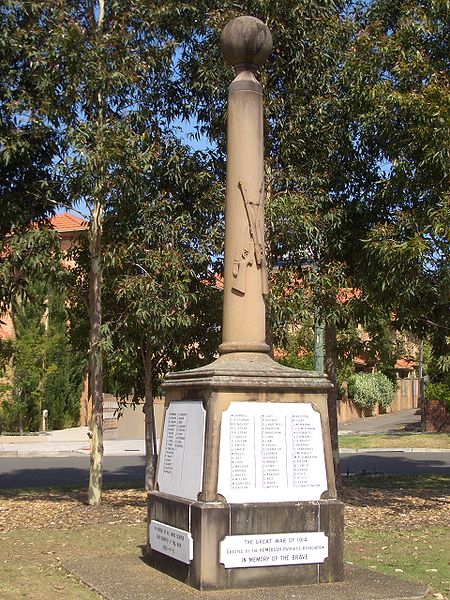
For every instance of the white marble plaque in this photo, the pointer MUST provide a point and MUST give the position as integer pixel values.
(274, 549)
(271, 452)
(180, 465)
(171, 541)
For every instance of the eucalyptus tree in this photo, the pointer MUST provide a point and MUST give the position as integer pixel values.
(27, 143)
(161, 307)
(98, 78)
(399, 64)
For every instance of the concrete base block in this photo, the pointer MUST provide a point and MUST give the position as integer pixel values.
(210, 522)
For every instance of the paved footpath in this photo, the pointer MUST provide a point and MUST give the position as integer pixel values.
(403, 420)
(75, 441)
(66, 442)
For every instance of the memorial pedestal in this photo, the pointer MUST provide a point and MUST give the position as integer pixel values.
(247, 495)
(246, 492)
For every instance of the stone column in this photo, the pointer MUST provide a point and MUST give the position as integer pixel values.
(246, 42)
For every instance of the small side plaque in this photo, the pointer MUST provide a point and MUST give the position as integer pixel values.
(274, 549)
(171, 541)
(180, 464)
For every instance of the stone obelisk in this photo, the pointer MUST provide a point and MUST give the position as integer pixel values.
(246, 494)
(246, 43)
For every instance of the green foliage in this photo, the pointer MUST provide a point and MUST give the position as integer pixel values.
(438, 391)
(344, 372)
(45, 372)
(157, 271)
(304, 362)
(27, 255)
(386, 389)
(398, 63)
(356, 154)
(368, 390)
(24, 407)
(357, 149)
(63, 370)
(437, 365)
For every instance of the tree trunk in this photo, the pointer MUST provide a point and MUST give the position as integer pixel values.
(330, 370)
(85, 405)
(95, 306)
(150, 429)
(95, 356)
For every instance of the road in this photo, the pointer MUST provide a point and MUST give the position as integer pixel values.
(72, 470)
(55, 471)
(397, 463)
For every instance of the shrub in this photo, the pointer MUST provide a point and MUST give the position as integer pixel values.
(362, 390)
(387, 389)
(369, 389)
(438, 391)
(304, 363)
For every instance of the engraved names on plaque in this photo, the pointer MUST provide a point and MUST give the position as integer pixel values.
(271, 452)
(180, 465)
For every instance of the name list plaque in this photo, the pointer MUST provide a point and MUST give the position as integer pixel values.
(180, 465)
(271, 452)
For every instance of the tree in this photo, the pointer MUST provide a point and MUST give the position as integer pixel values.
(357, 147)
(24, 407)
(44, 374)
(27, 143)
(99, 77)
(399, 64)
(63, 367)
(159, 290)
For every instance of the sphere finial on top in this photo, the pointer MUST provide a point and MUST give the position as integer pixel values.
(246, 41)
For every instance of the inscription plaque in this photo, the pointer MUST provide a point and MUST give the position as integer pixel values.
(180, 465)
(171, 541)
(271, 453)
(273, 549)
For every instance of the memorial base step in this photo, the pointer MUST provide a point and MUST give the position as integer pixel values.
(274, 534)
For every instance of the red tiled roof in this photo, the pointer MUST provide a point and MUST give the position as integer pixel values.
(404, 363)
(67, 222)
(346, 294)
(358, 360)
(218, 281)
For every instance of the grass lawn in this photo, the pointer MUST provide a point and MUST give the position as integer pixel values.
(400, 526)
(420, 555)
(31, 563)
(395, 440)
(395, 526)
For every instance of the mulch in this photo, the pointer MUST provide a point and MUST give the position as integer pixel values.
(56, 509)
(396, 508)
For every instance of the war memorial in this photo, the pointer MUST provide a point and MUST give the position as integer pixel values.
(246, 494)
(245, 504)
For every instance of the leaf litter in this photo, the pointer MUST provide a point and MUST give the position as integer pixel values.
(61, 509)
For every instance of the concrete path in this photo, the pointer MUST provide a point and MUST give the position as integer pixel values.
(404, 420)
(75, 441)
(130, 578)
(65, 442)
